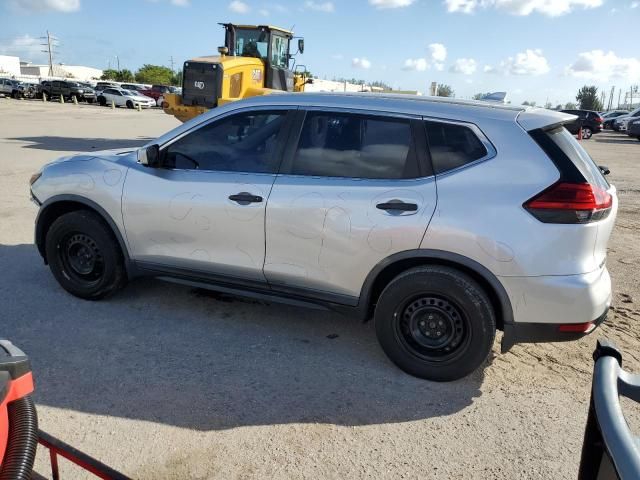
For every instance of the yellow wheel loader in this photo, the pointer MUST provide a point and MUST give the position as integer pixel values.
(255, 60)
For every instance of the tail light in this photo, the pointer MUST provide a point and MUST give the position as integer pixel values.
(599, 119)
(570, 203)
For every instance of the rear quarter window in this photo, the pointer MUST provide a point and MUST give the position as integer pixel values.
(452, 146)
(567, 154)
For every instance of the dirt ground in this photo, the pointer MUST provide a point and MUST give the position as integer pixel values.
(163, 381)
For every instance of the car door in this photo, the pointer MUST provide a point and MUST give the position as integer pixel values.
(354, 188)
(203, 211)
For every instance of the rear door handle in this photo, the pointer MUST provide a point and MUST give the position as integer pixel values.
(245, 198)
(398, 206)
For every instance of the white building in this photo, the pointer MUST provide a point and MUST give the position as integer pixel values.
(9, 66)
(76, 72)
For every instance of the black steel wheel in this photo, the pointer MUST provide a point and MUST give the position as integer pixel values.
(84, 255)
(435, 322)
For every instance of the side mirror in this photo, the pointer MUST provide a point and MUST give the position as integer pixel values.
(301, 45)
(149, 156)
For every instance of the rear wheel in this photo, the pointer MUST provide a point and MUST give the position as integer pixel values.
(84, 255)
(435, 323)
(102, 101)
(586, 133)
(129, 104)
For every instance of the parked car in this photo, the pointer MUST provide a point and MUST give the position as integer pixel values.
(68, 90)
(133, 87)
(609, 117)
(100, 86)
(589, 121)
(633, 129)
(12, 88)
(159, 90)
(330, 200)
(124, 98)
(620, 124)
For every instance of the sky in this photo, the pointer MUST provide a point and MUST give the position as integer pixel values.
(536, 50)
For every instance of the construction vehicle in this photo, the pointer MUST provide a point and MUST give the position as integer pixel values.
(255, 60)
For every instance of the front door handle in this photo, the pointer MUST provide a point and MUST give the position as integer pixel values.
(245, 198)
(398, 206)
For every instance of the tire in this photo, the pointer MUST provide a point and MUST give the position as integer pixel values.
(435, 323)
(129, 104)
(84, 255)
(102, 101)
(90, 100)
(587, 133)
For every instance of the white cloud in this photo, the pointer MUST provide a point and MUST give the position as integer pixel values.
(466, 66)
(598, 65)
(326, 7)
(35, 6)
(390, 3)
(361, 63)
(181, 3)
(438, 52)
(337, 56)
(236, 6)
(552, 8)
(264, 12)
(529, 62)
(417, 64)
(25, 46)
(634, 5)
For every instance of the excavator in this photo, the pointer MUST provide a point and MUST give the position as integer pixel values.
(255, 60)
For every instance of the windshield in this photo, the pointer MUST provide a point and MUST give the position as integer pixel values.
(251, 43)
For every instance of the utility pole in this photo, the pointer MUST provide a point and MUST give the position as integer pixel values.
(50, 39)
(619, 95)
(118, 62)
(171, 62)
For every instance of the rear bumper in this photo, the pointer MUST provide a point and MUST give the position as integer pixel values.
(556, 308)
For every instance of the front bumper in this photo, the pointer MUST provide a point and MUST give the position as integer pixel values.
(556, 308)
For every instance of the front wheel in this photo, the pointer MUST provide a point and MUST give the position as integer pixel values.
(84, 255)
(129, 104)
(435, 323)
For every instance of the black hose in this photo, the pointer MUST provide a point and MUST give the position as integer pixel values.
(22, 441)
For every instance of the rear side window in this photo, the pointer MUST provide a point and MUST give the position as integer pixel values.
(565, 152)
(452, 146)
(356, 146)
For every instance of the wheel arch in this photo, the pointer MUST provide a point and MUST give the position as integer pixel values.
(59, 205)
(387, 269)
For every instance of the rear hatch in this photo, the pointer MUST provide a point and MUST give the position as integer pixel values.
(581, 199)
(201, 84)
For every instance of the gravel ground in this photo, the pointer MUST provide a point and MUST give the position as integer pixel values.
(163, 381)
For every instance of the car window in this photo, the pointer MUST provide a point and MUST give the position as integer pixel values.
(452, 146)
(244, 142)
(355, 146)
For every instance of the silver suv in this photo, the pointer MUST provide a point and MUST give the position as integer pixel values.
(444, 220)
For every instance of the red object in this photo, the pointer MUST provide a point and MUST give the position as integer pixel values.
(156, 91)
(577, 327)
(580, 133)
(571, 196)
(18, 388)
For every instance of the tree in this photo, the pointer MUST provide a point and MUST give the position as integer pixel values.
(548, 105)
(118, 75)
(154, 74)
(569, 106)
(109, 74)
(478, 96)
(588, 98)
(558, 107)
(176, 79)
(444, 90)
(527, 103)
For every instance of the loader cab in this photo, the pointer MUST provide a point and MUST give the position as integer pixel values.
(270, 44)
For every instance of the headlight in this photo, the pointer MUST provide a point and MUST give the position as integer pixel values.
(34, 178)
